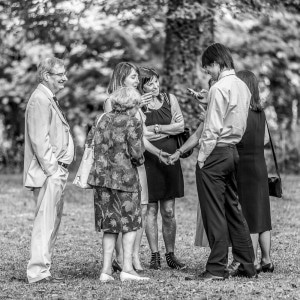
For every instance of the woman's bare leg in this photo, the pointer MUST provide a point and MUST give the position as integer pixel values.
(254, 238)
(265, 246)
(108, 242)
(137, 243)
(119, 249)
(167, 209)
(151, 226)
(128, 239)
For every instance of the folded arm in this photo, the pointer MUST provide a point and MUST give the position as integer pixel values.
(177, 122)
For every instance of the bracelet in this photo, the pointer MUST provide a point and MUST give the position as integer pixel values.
(180, 151)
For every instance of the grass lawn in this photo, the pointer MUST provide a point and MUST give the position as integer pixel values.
(78, 251)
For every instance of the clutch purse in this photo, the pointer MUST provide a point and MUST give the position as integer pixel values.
(275, 185)
(85, 166)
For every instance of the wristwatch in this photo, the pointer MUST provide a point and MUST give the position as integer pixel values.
(180, 151)
(156, 128)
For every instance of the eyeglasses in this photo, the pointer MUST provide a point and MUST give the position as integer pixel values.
(59, 74)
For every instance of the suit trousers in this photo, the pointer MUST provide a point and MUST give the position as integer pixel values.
(48, 213)
(221, 212)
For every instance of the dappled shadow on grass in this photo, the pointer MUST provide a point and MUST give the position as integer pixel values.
(78, 251)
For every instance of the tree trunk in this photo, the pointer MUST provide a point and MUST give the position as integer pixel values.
(189, 30)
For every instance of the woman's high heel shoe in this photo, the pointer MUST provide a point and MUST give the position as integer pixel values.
(268, 268)
(116, 267)
(140, 271)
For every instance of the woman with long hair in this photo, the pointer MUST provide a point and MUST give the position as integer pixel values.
(252, 176)
(126, 74)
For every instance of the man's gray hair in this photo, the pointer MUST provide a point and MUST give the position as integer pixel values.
(125, 98)
(47, 65)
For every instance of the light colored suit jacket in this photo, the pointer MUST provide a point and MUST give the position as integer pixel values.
(46, 137)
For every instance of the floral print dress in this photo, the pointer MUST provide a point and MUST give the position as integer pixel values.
(118, 150)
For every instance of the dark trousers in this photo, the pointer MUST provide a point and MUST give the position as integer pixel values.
(221, 212)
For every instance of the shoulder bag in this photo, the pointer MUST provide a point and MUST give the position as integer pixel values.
(86, 163)
(275, 185)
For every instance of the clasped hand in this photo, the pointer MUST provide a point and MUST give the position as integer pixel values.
(174, 157)
(164, 157)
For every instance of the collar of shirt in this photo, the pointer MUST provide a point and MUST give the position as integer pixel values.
(226, 73)
(49, 91)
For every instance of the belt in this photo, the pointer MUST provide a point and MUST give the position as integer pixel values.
(66, 166)
(225, 145)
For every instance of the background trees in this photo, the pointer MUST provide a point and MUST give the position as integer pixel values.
(170, 35)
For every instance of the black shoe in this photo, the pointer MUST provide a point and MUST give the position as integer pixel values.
(155, 261)
(206, 276)
(116, 267)
(173, 262)
(240, 273)
(233, 266)
(268, 268)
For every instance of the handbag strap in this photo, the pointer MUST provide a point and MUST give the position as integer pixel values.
(92, 144)
(273, 150)
(165, 95)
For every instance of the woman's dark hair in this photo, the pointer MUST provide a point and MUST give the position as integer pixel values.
(252, 83)
(219, 54)
(146, 75)
(121, 71)
(211, 82)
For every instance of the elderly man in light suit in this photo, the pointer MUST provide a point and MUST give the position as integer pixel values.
(49, 149)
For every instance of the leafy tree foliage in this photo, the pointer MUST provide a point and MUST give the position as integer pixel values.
(92, 36)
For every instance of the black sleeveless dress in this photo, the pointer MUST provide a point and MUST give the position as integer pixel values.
(165, 182)
(252, 175)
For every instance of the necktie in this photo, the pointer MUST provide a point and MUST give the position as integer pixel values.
(59, 107)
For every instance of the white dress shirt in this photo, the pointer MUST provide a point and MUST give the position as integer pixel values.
(226, 118)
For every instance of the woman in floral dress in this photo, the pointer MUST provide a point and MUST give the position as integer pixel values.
(118, 150)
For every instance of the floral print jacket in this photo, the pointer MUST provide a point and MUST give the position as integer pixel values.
(118, 150)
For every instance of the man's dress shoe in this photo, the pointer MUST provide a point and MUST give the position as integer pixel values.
(206, 276)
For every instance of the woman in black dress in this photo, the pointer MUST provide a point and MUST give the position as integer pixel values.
(164, 121)
(252, 176)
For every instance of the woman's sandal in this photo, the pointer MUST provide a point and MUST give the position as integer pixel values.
(155, 261)
(268, 268)
(116, 267)
(173, 262)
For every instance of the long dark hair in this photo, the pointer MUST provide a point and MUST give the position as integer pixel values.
(121, 71)
(219, 54)
(252, 83)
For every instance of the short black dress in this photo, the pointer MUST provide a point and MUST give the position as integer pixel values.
(252, 175)
(165, 182)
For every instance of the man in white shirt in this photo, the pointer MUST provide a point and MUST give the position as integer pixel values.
(223, 128)
(49, 149)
